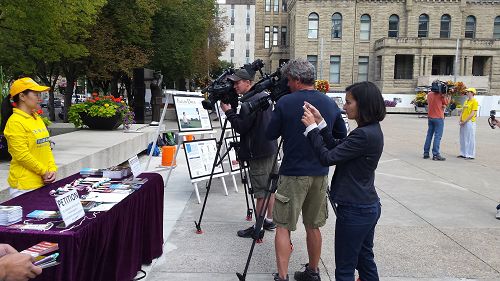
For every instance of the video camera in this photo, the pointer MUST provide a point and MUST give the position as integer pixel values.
(275, 83)
(222, 88)
(492, 121)
(438, 86)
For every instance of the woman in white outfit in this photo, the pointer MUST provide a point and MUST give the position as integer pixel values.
(468, 126)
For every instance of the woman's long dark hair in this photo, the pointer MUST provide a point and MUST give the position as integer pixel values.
(7, 110)
(371, 105)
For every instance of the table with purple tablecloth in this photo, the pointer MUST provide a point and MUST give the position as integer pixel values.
(105, 246)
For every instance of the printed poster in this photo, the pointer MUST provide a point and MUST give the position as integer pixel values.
(191, 116)
(200, 156)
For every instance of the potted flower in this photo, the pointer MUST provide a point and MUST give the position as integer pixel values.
(101, 113)
(322, 86)
(420, 99)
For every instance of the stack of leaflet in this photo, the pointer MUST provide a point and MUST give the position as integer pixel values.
(90, 172)
(117, 172)
(10, 214)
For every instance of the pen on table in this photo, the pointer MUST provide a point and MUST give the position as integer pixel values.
(52, 257)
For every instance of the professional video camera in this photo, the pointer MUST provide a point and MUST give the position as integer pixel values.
(274, 83)
(438, 86)
(492, 121)
(222, 88)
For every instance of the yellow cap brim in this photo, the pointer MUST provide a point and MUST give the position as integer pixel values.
(33, 88)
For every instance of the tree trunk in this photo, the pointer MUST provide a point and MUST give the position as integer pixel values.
(68, 93)
(50, 106)
(128, 87)
(114, 85)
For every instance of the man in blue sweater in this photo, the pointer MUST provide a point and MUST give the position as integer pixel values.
(303, 181)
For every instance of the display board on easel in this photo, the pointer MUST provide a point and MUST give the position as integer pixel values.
(190, 114)
(200, 155)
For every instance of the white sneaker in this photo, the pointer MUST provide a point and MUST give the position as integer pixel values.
(498, 214)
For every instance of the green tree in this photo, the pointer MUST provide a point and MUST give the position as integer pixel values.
(45, 38)
(121, 41)
(181, 32)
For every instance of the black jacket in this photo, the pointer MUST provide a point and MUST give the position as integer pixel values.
(252, 128)
(356, 158)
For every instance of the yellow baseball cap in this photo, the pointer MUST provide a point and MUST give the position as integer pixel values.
(23, 84)
(472, 90)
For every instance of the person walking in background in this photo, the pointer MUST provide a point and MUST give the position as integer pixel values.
(437, 102)
(468, 126)
(352, 191)
(32, 163)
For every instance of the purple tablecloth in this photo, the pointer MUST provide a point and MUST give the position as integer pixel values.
(111, 246)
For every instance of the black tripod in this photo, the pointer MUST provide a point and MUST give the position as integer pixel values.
(258, 232)
(218, 161)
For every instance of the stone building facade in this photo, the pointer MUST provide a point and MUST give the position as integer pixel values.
(397, 44)
(239, 19)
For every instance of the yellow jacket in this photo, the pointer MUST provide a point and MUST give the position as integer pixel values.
(29, 145)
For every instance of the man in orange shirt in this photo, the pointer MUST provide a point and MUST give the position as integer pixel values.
(436, 104)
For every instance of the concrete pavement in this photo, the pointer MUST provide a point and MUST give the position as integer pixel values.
(438, 218)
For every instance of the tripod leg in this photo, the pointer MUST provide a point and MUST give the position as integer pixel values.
(217, 154)
(258, 231)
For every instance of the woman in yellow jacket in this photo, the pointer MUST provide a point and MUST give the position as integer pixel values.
(32, 163)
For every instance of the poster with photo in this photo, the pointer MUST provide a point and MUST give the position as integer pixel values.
(233, 163)
(191, 116)
(200, 156)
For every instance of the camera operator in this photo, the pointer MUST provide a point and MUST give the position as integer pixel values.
(255, 148)
(437, 102)
(303, 181)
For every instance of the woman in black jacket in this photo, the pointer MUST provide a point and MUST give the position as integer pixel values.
(352, 191)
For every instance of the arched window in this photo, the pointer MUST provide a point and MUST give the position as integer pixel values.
(445, 26)
(364, 29)
(336, 25)
(496, 28)
(423, 25)
(470, 27)
(393, 26)
(313, 26)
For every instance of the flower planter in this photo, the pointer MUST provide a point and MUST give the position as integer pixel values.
(101, 123)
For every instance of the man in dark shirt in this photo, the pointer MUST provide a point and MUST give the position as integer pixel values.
(255, 148)
(303, 181)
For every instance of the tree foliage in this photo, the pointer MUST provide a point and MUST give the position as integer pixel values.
(181, 33)
(121, 40)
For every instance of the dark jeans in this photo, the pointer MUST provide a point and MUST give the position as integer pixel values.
(354, 232)
(436, 126)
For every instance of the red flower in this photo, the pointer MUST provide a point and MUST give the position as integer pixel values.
(96, 98)
(91, 100)
(40, 111)
(14, 104)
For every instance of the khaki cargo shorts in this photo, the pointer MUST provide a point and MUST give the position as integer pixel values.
(259, 173)
(301, 193)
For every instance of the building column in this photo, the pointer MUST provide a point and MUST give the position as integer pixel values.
(428, 66)
(421, 66)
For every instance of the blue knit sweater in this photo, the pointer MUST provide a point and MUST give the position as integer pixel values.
(299, 158)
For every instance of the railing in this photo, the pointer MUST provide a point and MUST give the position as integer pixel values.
(436, 43)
